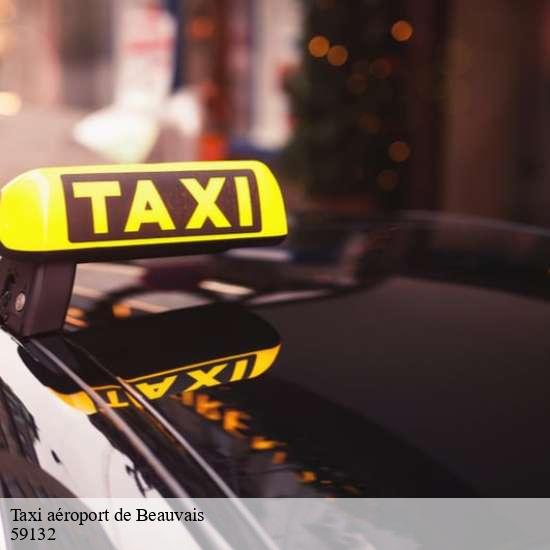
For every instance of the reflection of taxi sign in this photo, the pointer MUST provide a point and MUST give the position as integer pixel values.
(140, 210)
(53, 217)
(224, 344)
(171, 384)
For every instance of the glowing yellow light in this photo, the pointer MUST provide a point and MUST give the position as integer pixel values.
(207, 407)
(75, 317)
(387, 180)
(402, 31)
(381, 68)
(307, 476)
(75, 312)
(10, 103)
(70, 320)
(399, 151)
(318, 46)
(260, 443)
(337, 55)
(121, 311)
(234, 422)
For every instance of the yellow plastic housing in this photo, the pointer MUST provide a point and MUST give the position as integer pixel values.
(73, 210)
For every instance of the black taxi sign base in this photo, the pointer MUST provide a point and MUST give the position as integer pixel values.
(34, 296)
(52, 218)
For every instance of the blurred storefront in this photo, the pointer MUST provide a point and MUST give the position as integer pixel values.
(423, 105)
(238, 52)
(232, 56)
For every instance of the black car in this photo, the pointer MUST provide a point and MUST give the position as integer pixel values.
(406, 357)
(394, 357)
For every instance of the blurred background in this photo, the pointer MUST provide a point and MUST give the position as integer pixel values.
(358, 105)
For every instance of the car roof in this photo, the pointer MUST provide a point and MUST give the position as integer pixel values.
(397, 348)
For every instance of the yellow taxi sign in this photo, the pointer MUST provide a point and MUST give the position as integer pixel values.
(140, 210)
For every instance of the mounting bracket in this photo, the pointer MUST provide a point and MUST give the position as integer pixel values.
(34, 295)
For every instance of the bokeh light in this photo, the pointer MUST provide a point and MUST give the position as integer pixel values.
(122, 311)
(399, 151)
(318, 46)
(402, 31)
(337, 55)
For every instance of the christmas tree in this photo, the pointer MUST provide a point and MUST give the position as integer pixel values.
(349, 100)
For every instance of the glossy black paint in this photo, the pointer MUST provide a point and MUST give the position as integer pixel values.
(414, 361)
(255, 432)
